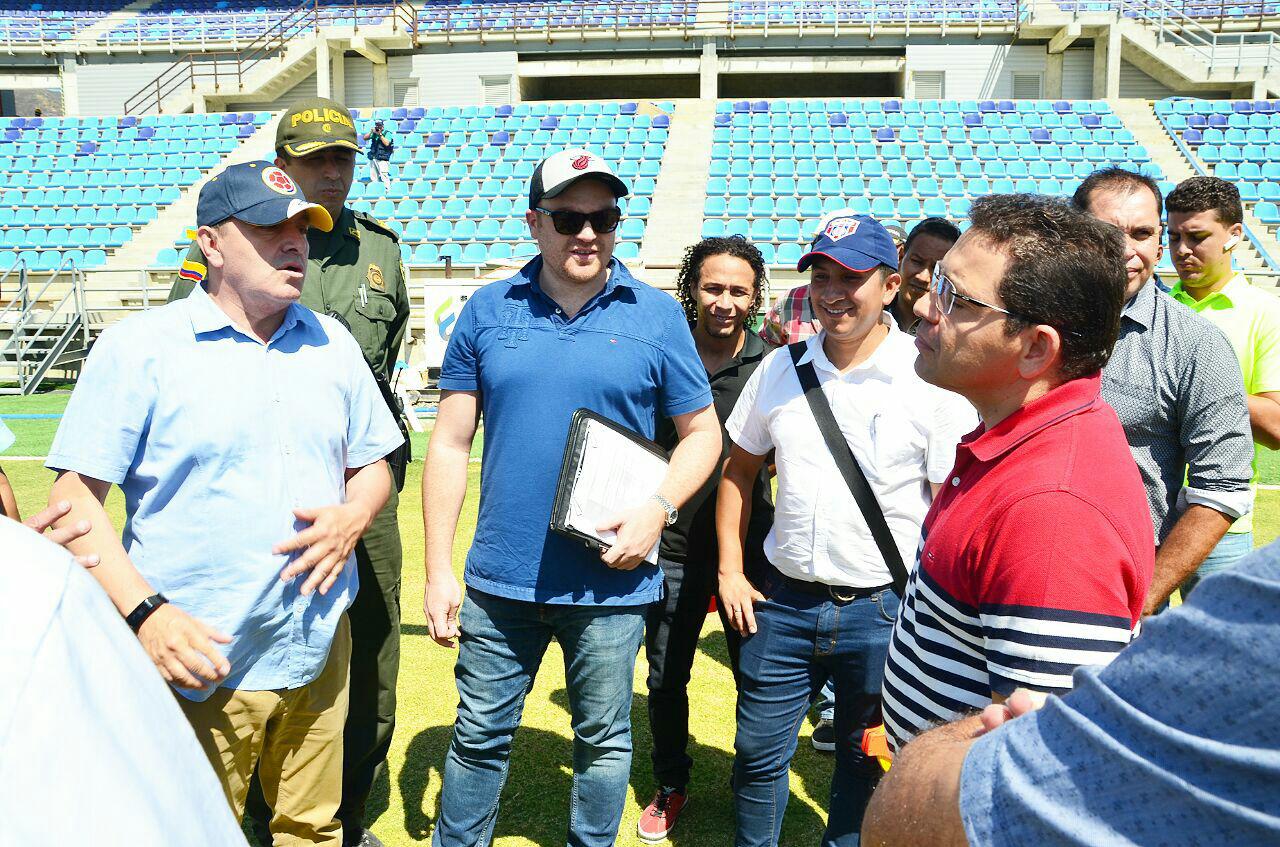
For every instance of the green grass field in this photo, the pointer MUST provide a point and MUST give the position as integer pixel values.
(535, 801)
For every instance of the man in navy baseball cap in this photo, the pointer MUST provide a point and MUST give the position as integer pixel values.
(856, 242)
(252, 229)
(256, 193)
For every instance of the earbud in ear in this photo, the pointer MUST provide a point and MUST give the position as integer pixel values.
(1231, 243)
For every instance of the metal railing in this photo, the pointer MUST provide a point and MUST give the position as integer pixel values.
(230, 67)
(1217, 50)
(40, 341)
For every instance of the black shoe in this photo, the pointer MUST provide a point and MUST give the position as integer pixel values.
(824, 737)
(366, 839)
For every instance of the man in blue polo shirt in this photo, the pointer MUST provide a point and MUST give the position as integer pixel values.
(572, 329)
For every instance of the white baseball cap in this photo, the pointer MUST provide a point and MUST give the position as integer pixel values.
(558, 171)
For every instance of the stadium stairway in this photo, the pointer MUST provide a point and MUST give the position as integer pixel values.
(676, 214)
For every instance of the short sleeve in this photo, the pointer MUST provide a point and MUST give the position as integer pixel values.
(1213, 426)
(748, 426)
(684, 385)
(1151, 731)
(953, 418)
(1266, 352)
(110, 408)
(460, 370)
(372, 432)
(1049, 605)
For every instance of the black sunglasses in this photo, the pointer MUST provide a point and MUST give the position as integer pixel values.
(568, 222)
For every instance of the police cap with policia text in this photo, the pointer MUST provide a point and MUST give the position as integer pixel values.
(314, 124)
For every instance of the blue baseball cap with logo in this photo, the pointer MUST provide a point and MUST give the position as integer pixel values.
(257, 193)
(857, 242)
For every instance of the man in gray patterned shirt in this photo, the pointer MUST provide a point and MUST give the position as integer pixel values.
(1175, 383)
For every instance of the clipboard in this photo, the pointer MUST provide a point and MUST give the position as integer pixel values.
(606, 469)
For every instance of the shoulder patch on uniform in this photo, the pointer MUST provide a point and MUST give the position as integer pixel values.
(380, 226)
(192, 270)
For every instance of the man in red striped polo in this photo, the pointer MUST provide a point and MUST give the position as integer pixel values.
(1037, 553)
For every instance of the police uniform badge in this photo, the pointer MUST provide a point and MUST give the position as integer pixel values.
(376, 282)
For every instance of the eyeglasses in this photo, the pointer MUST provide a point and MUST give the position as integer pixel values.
(944, 291)
(568, 222)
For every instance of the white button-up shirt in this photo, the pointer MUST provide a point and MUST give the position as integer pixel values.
(903, 432)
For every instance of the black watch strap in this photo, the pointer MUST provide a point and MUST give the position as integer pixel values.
(138, 616)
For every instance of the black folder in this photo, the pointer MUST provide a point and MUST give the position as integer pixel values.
(572, 465)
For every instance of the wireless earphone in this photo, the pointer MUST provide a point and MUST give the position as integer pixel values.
(1231, 243)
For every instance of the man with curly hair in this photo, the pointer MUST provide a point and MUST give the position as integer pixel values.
(721, 285)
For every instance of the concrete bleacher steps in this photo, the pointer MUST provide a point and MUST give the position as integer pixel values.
(768, 170)
(676, 215)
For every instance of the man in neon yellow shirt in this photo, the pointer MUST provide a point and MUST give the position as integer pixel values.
(1205, 225)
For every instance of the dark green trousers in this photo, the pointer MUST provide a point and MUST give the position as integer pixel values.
(375, 665)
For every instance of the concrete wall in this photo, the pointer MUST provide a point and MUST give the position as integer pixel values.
(453, 78)
(1077, 74)
(106, 82)
(977, 71)
(761, 86)
(613, 88)
(1136, 83)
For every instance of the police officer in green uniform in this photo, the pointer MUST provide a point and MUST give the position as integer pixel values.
(356, 276)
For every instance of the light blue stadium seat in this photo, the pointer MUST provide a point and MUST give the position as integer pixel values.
(761, 229)
(1267, 212)
(788, 254)
(440, 230)
(474, 254)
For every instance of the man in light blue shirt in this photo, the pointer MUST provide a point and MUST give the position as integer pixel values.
(78, 690)
(232, 495)
(1175, 742)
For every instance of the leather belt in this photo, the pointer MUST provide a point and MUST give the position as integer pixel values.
(839, 593)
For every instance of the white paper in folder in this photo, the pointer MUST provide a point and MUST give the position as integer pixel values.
(615, 474)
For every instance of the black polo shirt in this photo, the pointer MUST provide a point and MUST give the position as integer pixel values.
(692, 538)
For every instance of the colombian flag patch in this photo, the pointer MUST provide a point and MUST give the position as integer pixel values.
(192, 270)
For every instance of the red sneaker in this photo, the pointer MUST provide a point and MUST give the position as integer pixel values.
(662, 815)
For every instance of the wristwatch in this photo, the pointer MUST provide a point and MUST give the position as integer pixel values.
(671, 511)
(139, 615)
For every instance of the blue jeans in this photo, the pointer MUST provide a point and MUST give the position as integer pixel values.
(1233, 547)
(801, 641)
(499, 652)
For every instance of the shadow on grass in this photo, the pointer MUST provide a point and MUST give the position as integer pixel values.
(534, 800)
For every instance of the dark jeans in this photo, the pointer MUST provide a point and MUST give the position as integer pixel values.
(801, 641)
(671, 642)
(499, 652)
